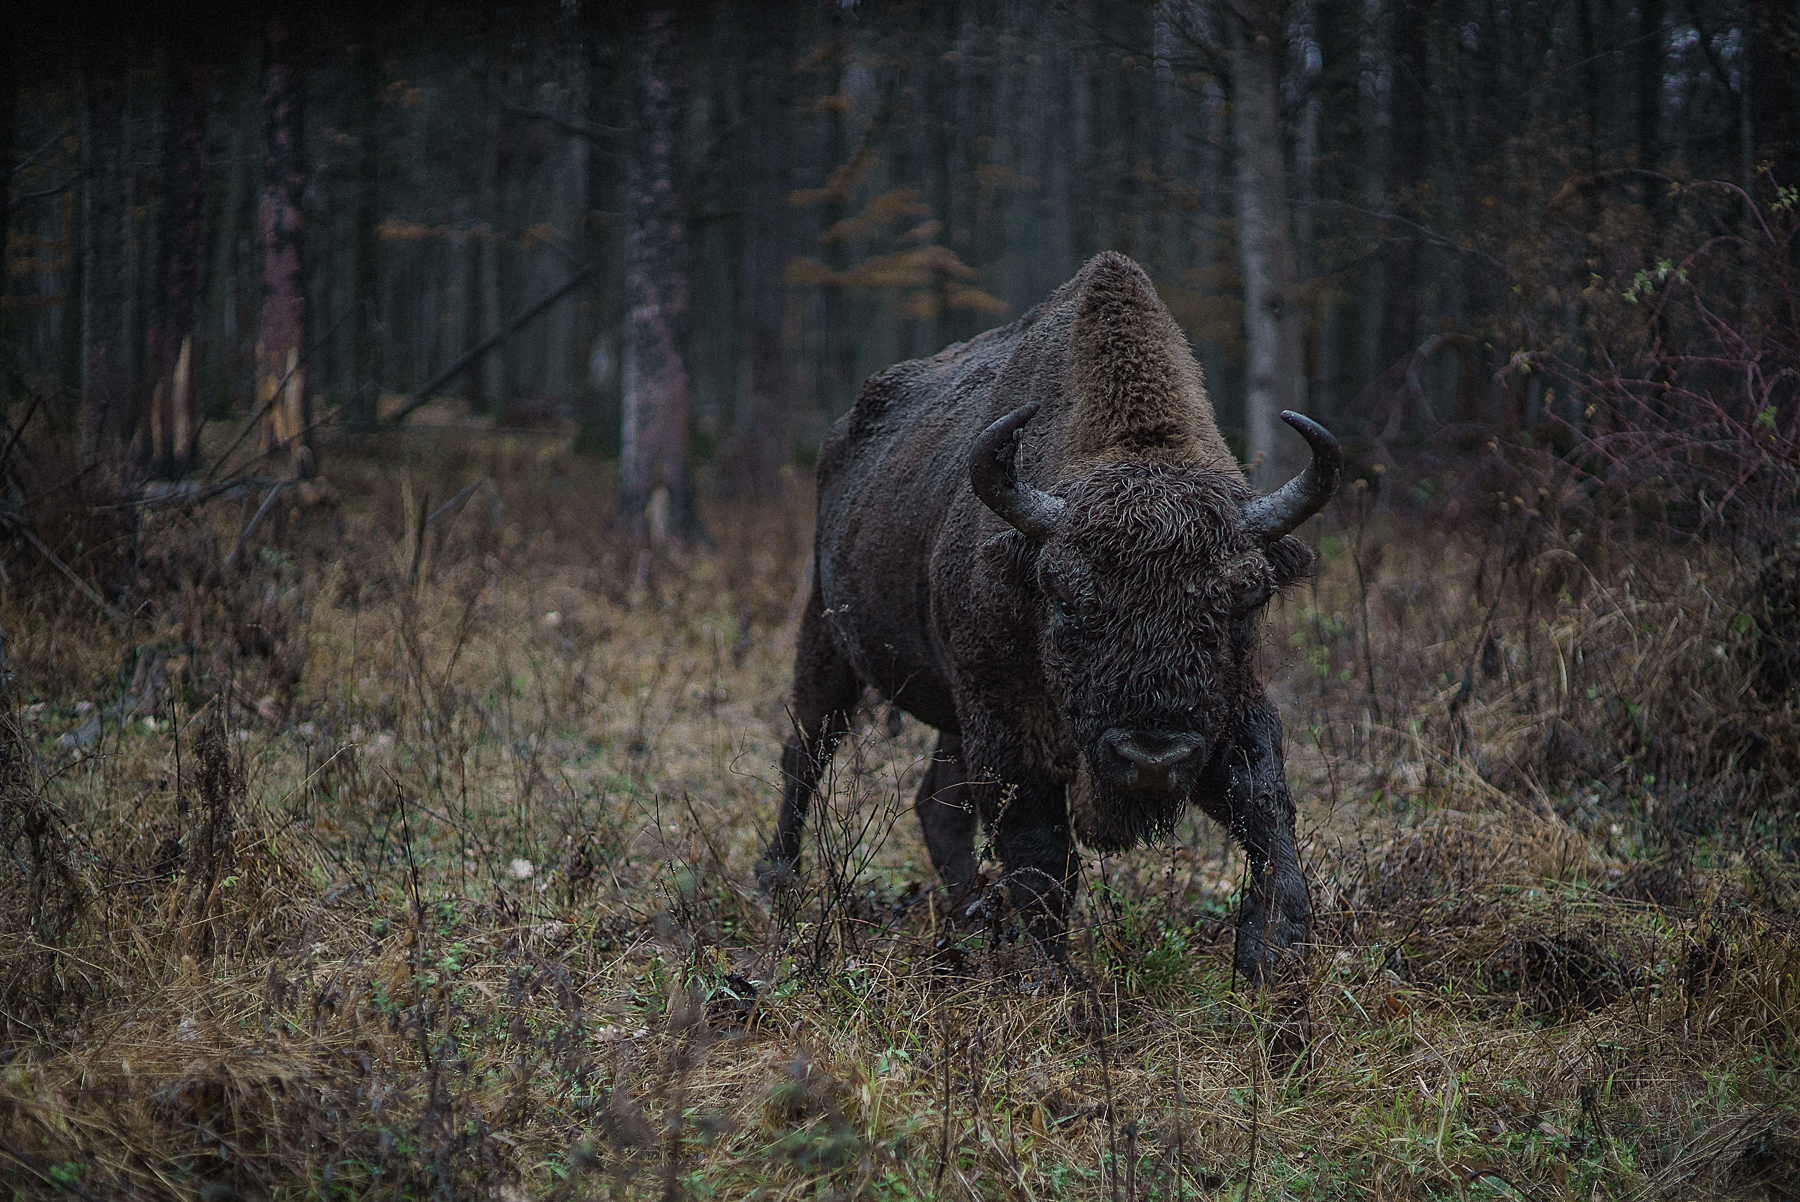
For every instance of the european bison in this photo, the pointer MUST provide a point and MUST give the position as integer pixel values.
(1081, 625)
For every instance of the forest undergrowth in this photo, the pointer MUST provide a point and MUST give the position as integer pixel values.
(410, 854)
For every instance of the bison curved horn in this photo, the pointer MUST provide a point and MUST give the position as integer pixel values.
(1281, 512)
(1030, 511)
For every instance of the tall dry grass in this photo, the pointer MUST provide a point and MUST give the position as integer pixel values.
(411, 855)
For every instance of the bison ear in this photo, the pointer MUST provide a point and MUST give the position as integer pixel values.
(1012, 558)
(1291, 559)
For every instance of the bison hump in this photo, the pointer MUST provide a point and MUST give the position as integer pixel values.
(1138, 389)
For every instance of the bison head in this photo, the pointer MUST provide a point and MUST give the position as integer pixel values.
(1149, 579)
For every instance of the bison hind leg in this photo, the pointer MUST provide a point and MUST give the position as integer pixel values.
(946, 809)
(826, 690)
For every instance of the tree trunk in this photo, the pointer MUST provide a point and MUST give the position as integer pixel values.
(174, 397)
(761, 436)
(365, 287)
(1775, 87)
(106, 356)
(653, 435)
(219, 359)
(9, 130)
(280, 350)
(1652, 59)
(1407, 149)
(565, 359)
(1308, 66)
(1273, 322)
(491, 376)
(832, 388)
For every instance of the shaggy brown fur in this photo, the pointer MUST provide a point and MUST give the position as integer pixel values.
(1112, 657)
(1137, 388)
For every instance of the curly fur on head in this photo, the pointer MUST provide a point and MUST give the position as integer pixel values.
(1153, 591)
(1166, 513)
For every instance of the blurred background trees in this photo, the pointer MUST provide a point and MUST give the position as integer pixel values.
(1392, 215)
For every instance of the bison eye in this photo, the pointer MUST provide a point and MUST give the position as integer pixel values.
(1252, 600)
(1065, 613)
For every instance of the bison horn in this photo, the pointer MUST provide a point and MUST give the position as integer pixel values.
(1281, 512)
(1030, 511)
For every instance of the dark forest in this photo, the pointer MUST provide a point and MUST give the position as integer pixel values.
(409, 417)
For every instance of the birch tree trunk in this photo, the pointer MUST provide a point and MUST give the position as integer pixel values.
(174, 397)
(1273, 322)
(762, 430)
(106, 358)
(281, 335)
(656, 496)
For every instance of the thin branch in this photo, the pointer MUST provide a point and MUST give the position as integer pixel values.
(1559, 72)
(58, 190)
(275, 399)
(256, 520)
(579, 129)
(87, 589)
(1424, 231)
(31, 158)
(13, 441)
(462, 364)
(190, 493)
(453, 506)
(41, 1170)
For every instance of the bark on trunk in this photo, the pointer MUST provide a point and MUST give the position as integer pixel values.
(656, 496)
(1775, 87)
(174, 407)
(762, 433)
(1273, 323)
(280, 341)
(365, 288)
(106, 359)
(491, 376)
(9, 129)
(1652, 58)
(1308, 66)
(1406, 172)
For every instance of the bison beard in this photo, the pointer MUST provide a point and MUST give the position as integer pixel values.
(1037, 542)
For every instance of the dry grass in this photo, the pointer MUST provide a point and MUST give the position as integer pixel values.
(413, 858)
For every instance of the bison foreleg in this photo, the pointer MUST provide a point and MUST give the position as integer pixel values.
(947, 814)
(826, 690)
(1247, 787)
(1030, 828)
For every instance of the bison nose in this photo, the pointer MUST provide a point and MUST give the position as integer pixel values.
(1153, 753)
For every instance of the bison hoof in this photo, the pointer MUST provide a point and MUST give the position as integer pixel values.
(1052, 954)
(776, 875)
(1258, 959)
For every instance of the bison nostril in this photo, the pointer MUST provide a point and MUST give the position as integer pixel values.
(1152, 750)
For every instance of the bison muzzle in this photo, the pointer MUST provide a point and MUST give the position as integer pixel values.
(1038, 543)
